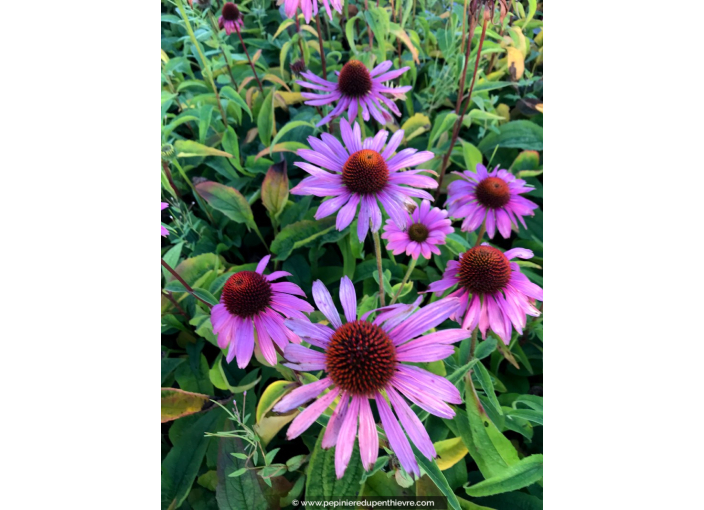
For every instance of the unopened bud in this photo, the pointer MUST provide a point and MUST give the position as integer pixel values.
(167, 152)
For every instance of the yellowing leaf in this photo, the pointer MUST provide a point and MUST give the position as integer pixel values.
(176, 403)
(450, 452)
(416, 125)
(282, 147)
(189, 148)
(291, 97)
(516, 64)
(268, 425)
(401, 34)
(165, 57)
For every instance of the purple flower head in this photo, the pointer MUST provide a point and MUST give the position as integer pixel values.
(425, 229)
(310, 7)
(164, 232)
(360, 173)
(357, 87)
(364, 360)
(492, 292)
(231, 19)
(491, 195)
(251, 302)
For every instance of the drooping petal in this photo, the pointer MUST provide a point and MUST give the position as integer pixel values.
(301, 395)
(368, 438)
(397, 439)
(308, 416)
(346, 438)
(348, 298)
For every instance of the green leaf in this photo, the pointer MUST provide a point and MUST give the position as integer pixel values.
(489, 448)
(194, 376)
(485, 348)
(300, 234)
(443, 122)
(484, 379)
(322, 483)
(518, 134)
(472, 156)
(228, 201)
(231, 144)
(189, 148)
(288, 127)
(168, 365)
(265, 119)
(526, 472)
(181, 465)
(242, 492)
(434, 473)
(232, 95)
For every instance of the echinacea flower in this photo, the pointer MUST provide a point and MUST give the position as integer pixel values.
(251, 302)
(310, 8)
(164, 231)
(360, 173)
(492, 293)
(364, 360)
(425, 229)
(357, 87)
(491, 195)
(231, 18)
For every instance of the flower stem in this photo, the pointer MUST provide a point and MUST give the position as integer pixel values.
(251, 64)
(369, 29)
(377, 250)
(188, 288)
(411, 267)
(300, 43)
(216, 39)
(458, 123)
(167, 171)
(480, 235)
(320, 42)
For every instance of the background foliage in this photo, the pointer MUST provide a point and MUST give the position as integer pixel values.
(227, 180)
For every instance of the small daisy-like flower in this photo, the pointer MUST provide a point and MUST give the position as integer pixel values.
(310, 7)
(251, 302)
(426, 228)
(164, 231)
(492, 293)
(491, 195)
(364, 360)
(231, 18)
(357, 87)
(362, 173)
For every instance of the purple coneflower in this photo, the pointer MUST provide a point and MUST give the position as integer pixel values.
(491, 195)
(164, 231)
(425, 229)
(231, 18)
(500, 294)
(362, 173)
(363, 360)
(356, 88)
(310, 7)
(251, 302)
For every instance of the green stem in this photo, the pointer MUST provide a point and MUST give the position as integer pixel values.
(411, 266)
(377, 250)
